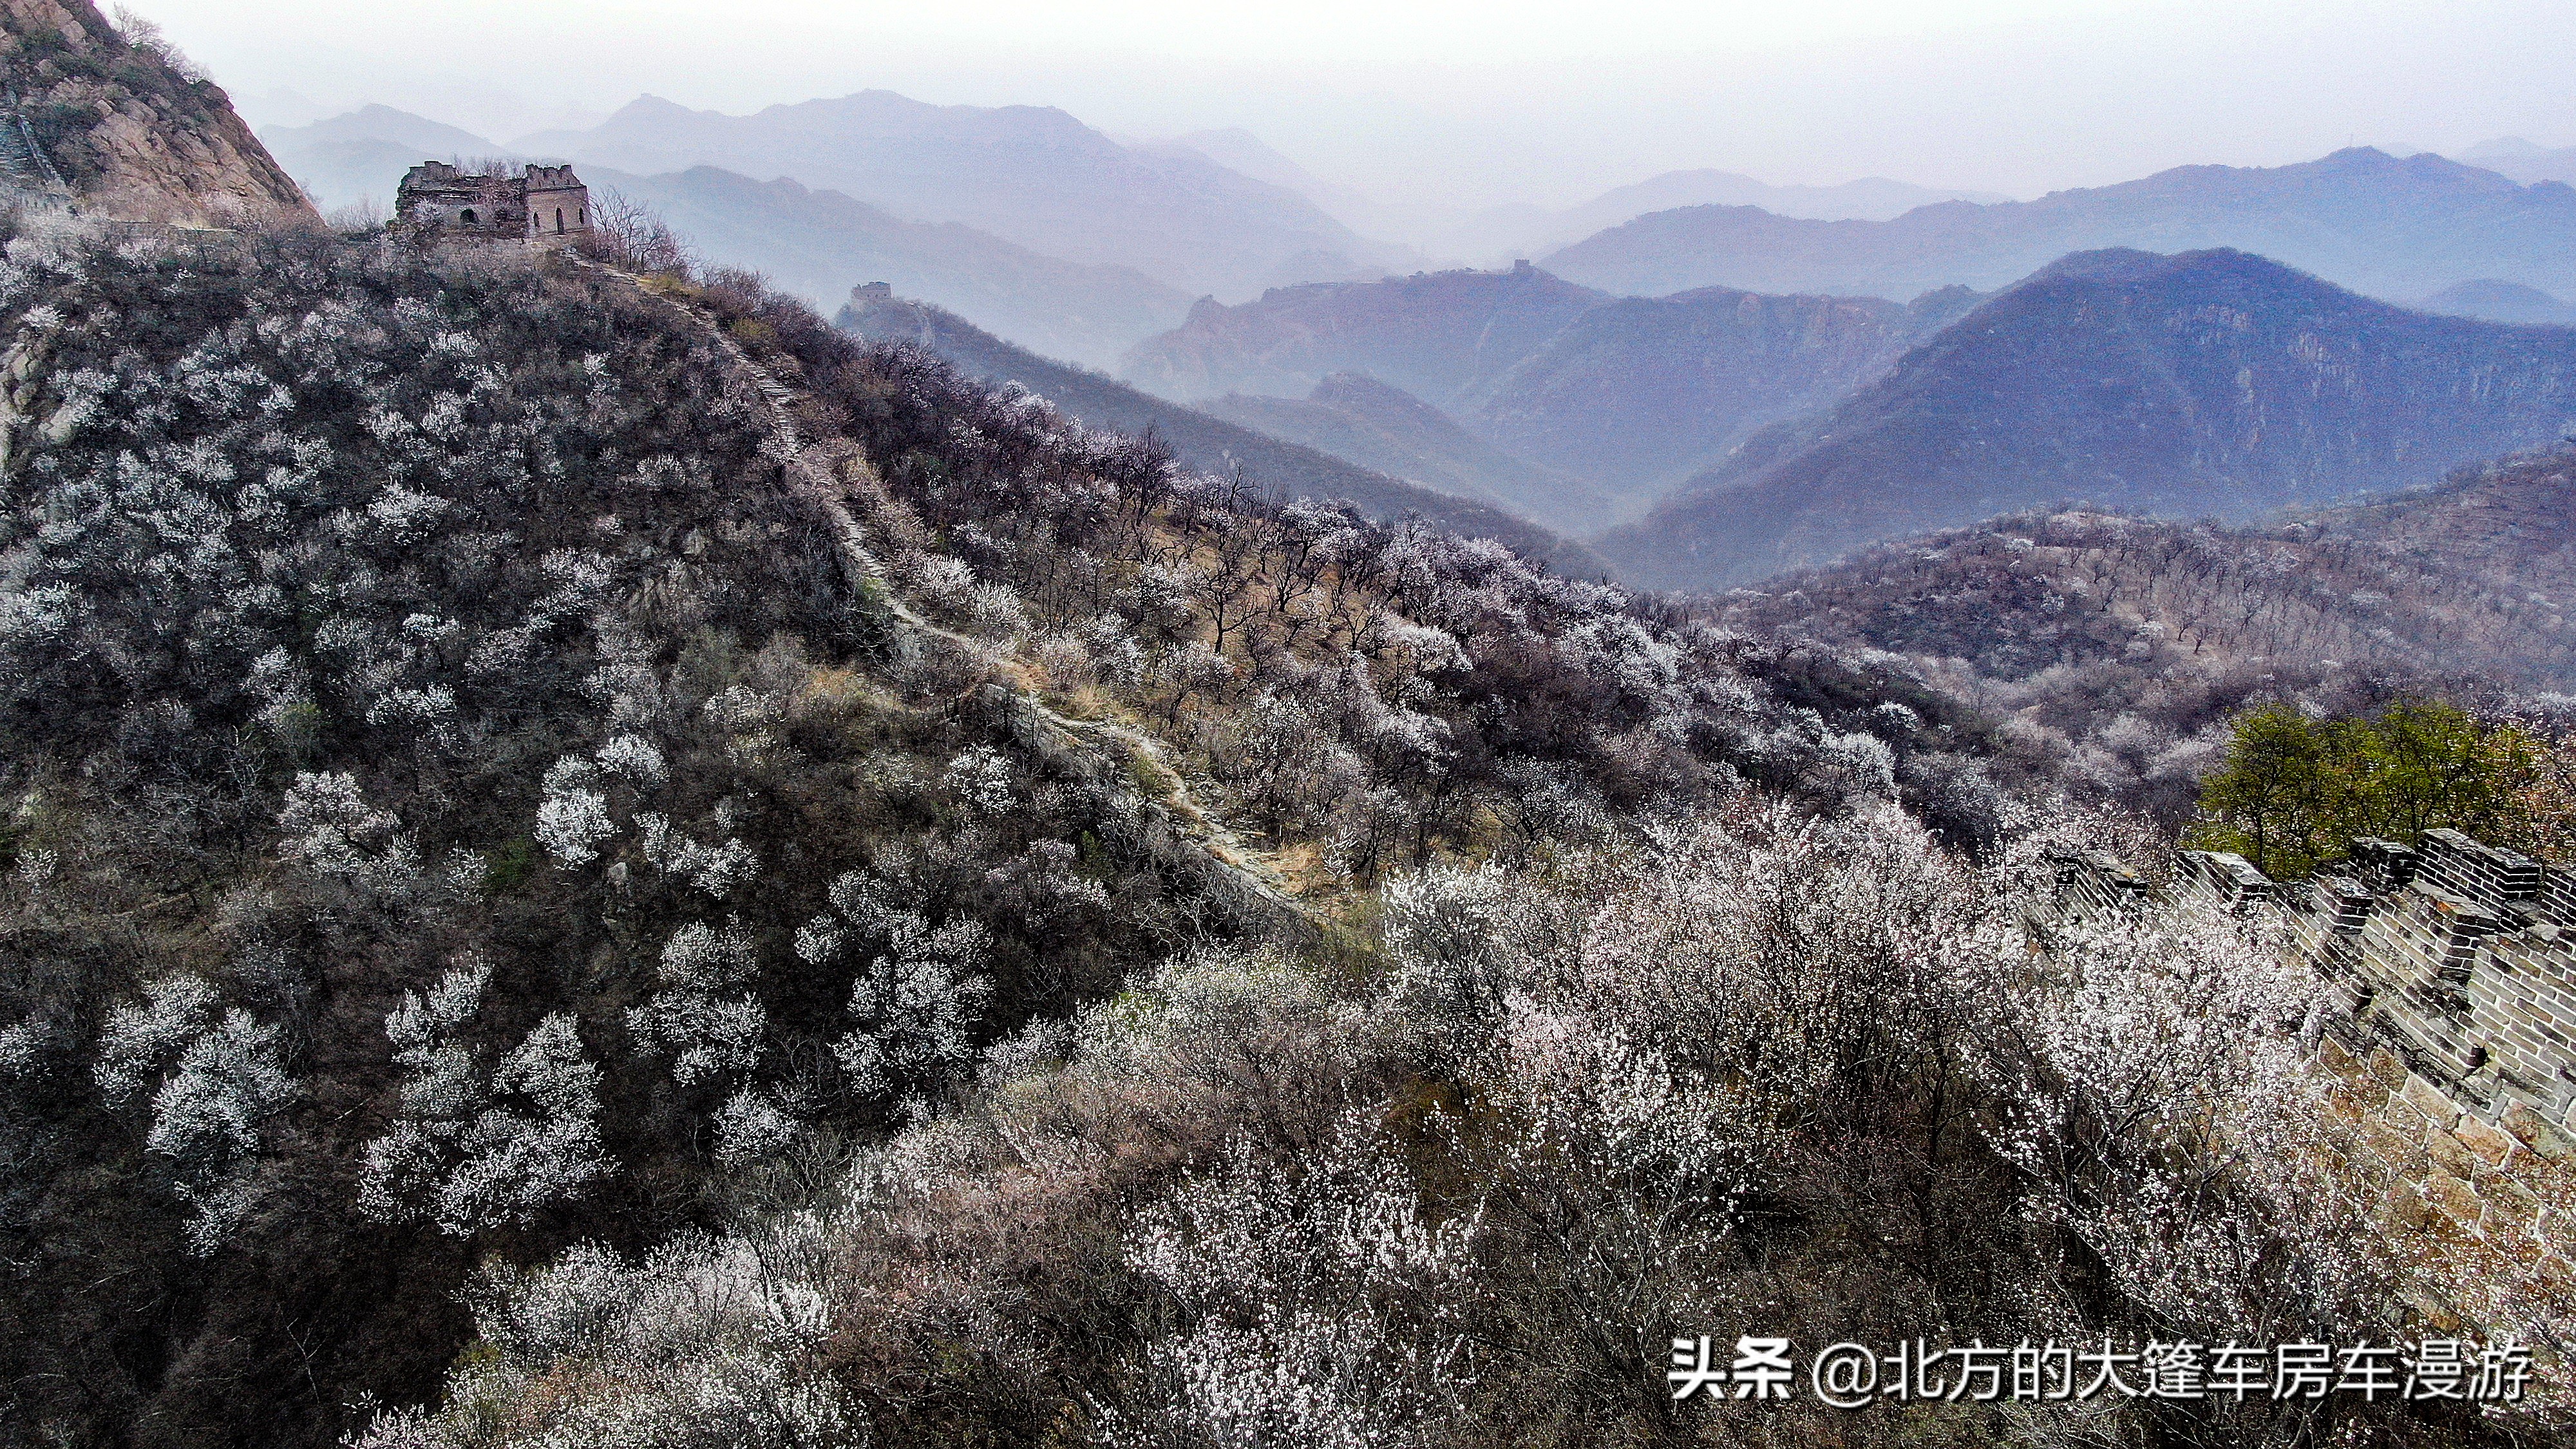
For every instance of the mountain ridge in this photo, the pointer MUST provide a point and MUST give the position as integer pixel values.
(1200, 440)
(1385, 429)
(2135, 640)
(128, 125)
(1631, 395)
(1870, 198)
(2205, 382)
(2381, 225)
(1035, 176)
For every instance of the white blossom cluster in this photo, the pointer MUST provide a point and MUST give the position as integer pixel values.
(214, 1080)
(698, 1345)
(333, 829)
(919, 994)
(1321, 1307)
(476, 1146)
(2167, 1100)
(1655, 1044)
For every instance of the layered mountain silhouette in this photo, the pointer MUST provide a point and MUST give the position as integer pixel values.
(2523, 161)
(357, 158)
(1200, 440)
(1628, 395)
(817, 244)
(2208, 383)
(1525, 229)
(1647, 391)
(2359, 218)
(1432, 334)
(1032, 175)
(1872, 198)
(1388, 430)
(2493, 301)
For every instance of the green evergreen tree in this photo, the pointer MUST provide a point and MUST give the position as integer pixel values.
(2295, 792)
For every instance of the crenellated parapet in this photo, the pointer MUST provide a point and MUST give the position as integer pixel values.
(2096, 883)
(544, 205)
(2451, 1069)
(2457, 956)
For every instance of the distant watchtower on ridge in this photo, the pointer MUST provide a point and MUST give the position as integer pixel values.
(440, 202)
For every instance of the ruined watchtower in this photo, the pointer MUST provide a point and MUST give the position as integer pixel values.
(558, 204)
(440, 202)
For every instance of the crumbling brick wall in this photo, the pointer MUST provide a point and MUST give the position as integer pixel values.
(2458, 957)
(558, 204)
(2452, 1065)
(547, 205)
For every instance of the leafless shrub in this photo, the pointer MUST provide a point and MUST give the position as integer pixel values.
(628, 234)
(145, 35)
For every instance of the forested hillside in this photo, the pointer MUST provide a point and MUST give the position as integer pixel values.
(590, 859)
(1201, 440)
(2212, 383)
(2129, 641)
(476, 782)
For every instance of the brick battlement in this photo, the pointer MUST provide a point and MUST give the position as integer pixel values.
(2449, 1077)
(2458, 957)
(546, 205)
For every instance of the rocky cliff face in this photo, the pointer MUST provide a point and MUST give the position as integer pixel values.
(124, 124)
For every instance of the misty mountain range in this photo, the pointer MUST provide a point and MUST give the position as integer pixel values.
(1031, 175)
(1875, 198)
(2392, 228)
(2492, 301)
(2212, 383)
(1384, 428)
(1767, 423)
(2523, 161)
(1631, 395)
(1525, 229)
(1199, 440)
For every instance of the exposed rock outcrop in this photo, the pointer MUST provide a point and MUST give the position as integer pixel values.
(123, 127)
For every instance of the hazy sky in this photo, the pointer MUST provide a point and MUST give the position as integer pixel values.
(1479, 103)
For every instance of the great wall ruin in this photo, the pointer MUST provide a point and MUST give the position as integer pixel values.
(540, 204)
(2450, 1048)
